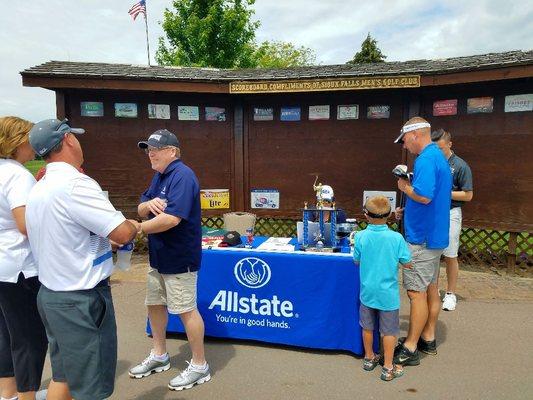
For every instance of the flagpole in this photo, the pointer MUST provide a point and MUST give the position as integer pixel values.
(146, 25)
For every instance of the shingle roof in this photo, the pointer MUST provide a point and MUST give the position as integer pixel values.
(67, 69)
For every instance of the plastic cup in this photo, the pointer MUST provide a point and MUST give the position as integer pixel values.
(124, 256)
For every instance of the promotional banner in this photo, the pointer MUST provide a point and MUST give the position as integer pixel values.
(348, 112)
(298, 299)
(158, 111)
(188, 113)
(126, 110)
(264, 198)
(318, 112)
(477, 105)
(445, 107)
(92, 109)
(519, 102)
(290, 114)
(211, 199)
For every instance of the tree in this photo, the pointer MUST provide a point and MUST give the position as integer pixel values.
(221, 34)
(282, 55)
(208, 33)
(370, 53)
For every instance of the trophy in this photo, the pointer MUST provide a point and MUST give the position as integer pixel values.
(319, 211)
(318, 191)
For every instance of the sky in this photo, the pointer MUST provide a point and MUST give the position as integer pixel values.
(36, 31)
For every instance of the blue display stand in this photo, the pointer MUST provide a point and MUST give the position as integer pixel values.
(299, 299)
(306, 215)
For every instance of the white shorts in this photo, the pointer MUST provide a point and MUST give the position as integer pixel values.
(456, 218)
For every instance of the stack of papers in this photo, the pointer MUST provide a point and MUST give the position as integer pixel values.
(211, 241)
(276, 244)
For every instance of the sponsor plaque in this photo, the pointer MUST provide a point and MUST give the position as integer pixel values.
(158, 111)
(519, 102)
(188, 113)
(211, 199)
(348, 112)
(318, 113)
(445, 107)
(126, 110)
(478, 105)
(290, 114)
(317, 85)
(92, 109)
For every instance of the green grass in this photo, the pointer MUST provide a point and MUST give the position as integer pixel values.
(34, 166)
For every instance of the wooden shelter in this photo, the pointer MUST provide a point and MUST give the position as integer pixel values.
(243, 150)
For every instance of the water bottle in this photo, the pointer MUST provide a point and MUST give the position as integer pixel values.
(249, 237)
(124, 256)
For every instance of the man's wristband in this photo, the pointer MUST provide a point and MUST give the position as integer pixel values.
(140, 230)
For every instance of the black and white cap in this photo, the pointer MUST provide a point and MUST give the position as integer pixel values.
(160, 138)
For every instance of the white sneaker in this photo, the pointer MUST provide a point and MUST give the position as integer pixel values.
(450, 302)
(189, 377)
(150, 365)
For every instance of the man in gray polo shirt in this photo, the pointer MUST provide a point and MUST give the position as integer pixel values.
(69, 223)
(462, 191)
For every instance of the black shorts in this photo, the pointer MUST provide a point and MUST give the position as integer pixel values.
(82, 332)
(23, 341)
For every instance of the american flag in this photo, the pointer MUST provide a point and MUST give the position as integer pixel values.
(138, 8)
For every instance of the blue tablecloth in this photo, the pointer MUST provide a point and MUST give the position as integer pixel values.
(301, 299)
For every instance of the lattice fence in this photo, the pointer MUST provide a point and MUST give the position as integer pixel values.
(509, 250)
(498, 249)
(478, 246)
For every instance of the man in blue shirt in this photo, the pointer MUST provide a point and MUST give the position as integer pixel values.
(427, 224)
(172, 206)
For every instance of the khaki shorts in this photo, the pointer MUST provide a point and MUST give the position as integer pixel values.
(456, 217)
(425, 270)
(176, 291)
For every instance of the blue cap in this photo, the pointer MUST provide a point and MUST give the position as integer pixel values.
(160, 138)
(47, 134)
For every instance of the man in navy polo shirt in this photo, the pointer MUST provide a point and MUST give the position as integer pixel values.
(427, 224)
(172, 206)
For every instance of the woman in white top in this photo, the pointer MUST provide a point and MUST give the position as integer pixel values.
(23, 341)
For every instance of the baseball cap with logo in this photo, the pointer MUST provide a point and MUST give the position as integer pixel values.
(160, 138)
(231, 239)
(47, 134)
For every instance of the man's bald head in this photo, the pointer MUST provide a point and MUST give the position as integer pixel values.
(419, 120)
(415, 135)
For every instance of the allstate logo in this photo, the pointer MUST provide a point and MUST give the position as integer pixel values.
(252, 272)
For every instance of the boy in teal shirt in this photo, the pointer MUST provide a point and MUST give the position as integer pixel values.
(378, 250)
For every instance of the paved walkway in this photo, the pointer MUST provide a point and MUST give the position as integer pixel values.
(484, 353)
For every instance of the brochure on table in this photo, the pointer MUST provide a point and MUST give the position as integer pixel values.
(276, 244)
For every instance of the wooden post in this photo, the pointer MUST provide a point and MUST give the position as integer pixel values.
(511, 252)
(238, 194)
(61, 105)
